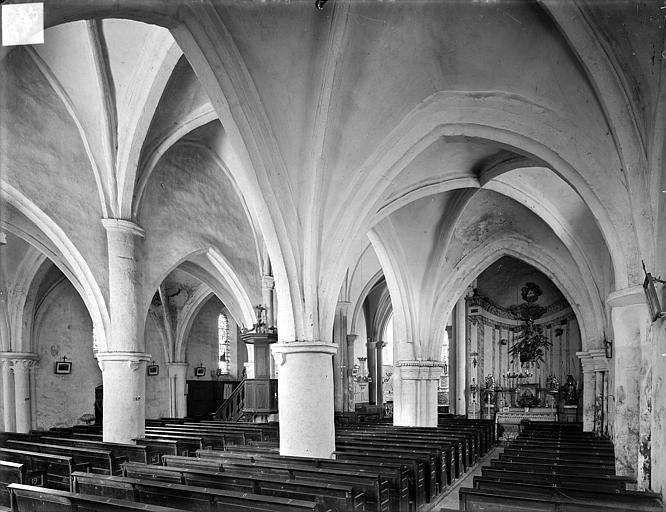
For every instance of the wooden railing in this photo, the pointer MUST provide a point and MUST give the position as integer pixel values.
(232, 408)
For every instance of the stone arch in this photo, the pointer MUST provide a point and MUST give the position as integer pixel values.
(189, 313)
(55, 243)
(522, 127)
(358, 307)
(590, 312)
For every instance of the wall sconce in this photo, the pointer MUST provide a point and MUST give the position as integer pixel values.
(474, 355)
(608, 349)
(651, 295)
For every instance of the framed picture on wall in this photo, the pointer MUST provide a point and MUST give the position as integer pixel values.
(63, 367)
(200, 371)
(153, 369)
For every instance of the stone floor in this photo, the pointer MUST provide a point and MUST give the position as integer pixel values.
(448, 500)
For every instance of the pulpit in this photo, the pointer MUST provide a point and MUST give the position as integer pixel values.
(261, 391)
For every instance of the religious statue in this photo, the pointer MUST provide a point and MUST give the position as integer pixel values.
(570, 391)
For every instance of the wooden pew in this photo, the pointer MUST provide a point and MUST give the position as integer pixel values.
(589, 493)
(101, 461)
(432, 458)
(58, 468)
(132, 452)
(553, 467)
(335, 496)
(376, 489)
(15, 473)
(397, 475)
(452, 457)
(156, 448)
(610, 482)
(425, 463)
(188, 497)
(26, 498)
(476, 500)
(185, 445)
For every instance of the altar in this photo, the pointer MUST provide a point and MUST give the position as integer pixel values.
(510, 418)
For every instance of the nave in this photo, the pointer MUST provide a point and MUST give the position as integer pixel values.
(228, 466)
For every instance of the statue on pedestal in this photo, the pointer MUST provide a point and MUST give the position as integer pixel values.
(570, 391)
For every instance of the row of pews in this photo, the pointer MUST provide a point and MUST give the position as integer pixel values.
(222, 466)
(555, 467)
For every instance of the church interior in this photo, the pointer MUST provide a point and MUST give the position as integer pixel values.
(334, 255)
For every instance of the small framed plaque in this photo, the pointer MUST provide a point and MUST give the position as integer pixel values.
(63, 367)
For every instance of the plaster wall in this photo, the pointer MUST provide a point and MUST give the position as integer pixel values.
(43, 152)
(63, 328)
(191, 206)
(202, 343)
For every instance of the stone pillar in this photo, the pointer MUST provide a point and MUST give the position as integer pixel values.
(372, 371)
(305, 395)
(340, 359)
(589, 392)
(600, 371)
(630, 319)
(461, 356)
(23, 364)
(123, 365)
(177, 381)
(380, 373)
(351, 339)
(415, 401)
(453, 375)
(8, 408)
(124, 380)
(267, 286)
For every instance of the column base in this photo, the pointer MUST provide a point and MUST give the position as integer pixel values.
(305, 398)
(124, 379)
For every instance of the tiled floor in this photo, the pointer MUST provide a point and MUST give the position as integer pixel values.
(449, 499)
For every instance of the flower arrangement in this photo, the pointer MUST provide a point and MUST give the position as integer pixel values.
(531, 344)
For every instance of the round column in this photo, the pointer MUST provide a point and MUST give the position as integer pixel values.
(8, 409)
(416, 403)
(124, 286)
(178, 378)
(305, 398)
(124, 379)
(22, 365)
(589, 390)
(371, 350)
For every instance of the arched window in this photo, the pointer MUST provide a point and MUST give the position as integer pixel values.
(223, 343)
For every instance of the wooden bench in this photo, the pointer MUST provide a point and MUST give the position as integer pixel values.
(156, 448)
(627, 497)
(26, 498)
(15, 473)
(476, 500)
(187, 445)
(436, 478)
(376, 489)
(188, 497)
(58, 468)
(335, 496)
(611, 482)
(210, 437)
(101, 461)
(397, 475)
(132, 452)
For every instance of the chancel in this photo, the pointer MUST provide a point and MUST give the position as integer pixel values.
(332, 255)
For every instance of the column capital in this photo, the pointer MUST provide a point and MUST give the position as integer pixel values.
(420, 369)
(631, 296)
(586, 360)
(123, 226)
(176, 365)
(371, 343)
(268, 282)
(301, 347)
(343, 307)
(351, 338)
(133, 359)
(599, 359)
